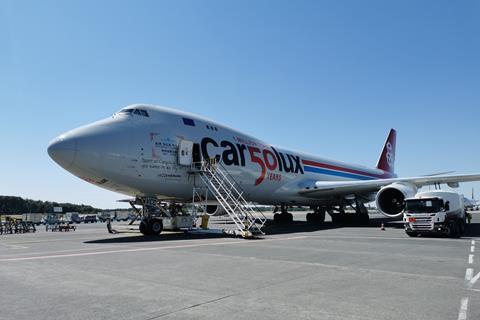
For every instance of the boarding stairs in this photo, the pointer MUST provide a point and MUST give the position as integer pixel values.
(248, 219)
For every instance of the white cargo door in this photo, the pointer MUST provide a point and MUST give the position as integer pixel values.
(185, 153)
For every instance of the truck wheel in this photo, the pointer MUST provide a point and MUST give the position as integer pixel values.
(412, 233)
(451, 229)
(461, 227)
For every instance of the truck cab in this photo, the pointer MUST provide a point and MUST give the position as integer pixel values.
(435, 212)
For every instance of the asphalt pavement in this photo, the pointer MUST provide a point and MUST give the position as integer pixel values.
(294, 272)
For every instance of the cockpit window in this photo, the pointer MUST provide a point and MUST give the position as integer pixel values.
(139, 112)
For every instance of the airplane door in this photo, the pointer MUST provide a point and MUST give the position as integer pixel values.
(185, 151)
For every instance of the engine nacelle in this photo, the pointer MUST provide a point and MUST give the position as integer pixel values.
(215, 210)
(391, 198)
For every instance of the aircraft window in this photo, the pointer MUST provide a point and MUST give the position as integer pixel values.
(137, 111)
(126, 111)
(144, 113)
(188, 122)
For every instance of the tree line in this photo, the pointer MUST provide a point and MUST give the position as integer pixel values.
(18, 205)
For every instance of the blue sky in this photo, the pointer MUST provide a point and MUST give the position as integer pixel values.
(326, 77)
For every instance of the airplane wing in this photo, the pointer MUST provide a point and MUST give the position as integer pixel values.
(318, 189)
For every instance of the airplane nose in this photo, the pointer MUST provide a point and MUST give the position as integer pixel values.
(63, 150)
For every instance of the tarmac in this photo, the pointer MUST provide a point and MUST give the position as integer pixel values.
(294, 272)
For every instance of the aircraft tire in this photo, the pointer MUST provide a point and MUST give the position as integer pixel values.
(334, 217)
(315, 218)
(280, 218)
(364, 218)
(320, 217)
(288, 217)
(145, 228)
(277, 218)
(309, 217)
(156, 226)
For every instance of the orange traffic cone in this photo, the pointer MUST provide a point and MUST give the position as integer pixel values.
(382, 227)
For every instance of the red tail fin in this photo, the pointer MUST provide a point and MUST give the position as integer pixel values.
(386, 162)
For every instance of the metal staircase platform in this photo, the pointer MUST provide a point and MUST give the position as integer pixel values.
(248, 219)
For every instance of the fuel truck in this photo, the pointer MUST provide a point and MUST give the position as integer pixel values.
(435, 212)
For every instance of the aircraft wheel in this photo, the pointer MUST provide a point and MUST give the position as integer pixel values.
(145, 228)
(288, 217)
(282, 218)
(364, 218)
(320, 216)
(156, 226)
(309, 217)
(277, 218)
(335, 218)
(316, 218)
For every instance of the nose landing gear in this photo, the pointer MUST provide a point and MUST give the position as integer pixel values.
(151, 227)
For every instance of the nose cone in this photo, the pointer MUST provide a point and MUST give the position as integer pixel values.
(63, 150)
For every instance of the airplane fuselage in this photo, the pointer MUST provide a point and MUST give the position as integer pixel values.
(137, 153)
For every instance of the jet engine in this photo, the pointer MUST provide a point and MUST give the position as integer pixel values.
(215, 210)
(391, 198)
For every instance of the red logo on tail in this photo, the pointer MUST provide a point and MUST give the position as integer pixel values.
(387, 158)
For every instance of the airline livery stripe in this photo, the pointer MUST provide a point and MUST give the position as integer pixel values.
(332, 167)
(336, 173)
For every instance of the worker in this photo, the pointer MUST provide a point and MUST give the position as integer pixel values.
(469, 217)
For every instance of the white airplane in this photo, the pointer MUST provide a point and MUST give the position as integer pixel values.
(146, 152)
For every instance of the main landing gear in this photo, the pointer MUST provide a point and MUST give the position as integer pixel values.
(283, 217)
(317, 216)
(359, 216)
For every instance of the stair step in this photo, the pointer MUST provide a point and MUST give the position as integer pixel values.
(230, 197)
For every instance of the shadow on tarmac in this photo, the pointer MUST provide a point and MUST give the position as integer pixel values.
(270, 228)
(472, 230)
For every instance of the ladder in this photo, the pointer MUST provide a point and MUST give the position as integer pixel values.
(248, 219)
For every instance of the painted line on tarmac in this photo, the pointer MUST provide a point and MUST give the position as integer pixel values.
(5, 256)
(468, 274)
(472, 248)
(94, 253)
(470, 259)
(13, 246)
(462, 313)
(473, 242)
(474, 280)
(381, 238)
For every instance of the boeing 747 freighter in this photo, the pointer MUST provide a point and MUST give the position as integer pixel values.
(150, 152)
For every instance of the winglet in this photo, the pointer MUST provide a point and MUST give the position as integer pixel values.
(386, 162)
